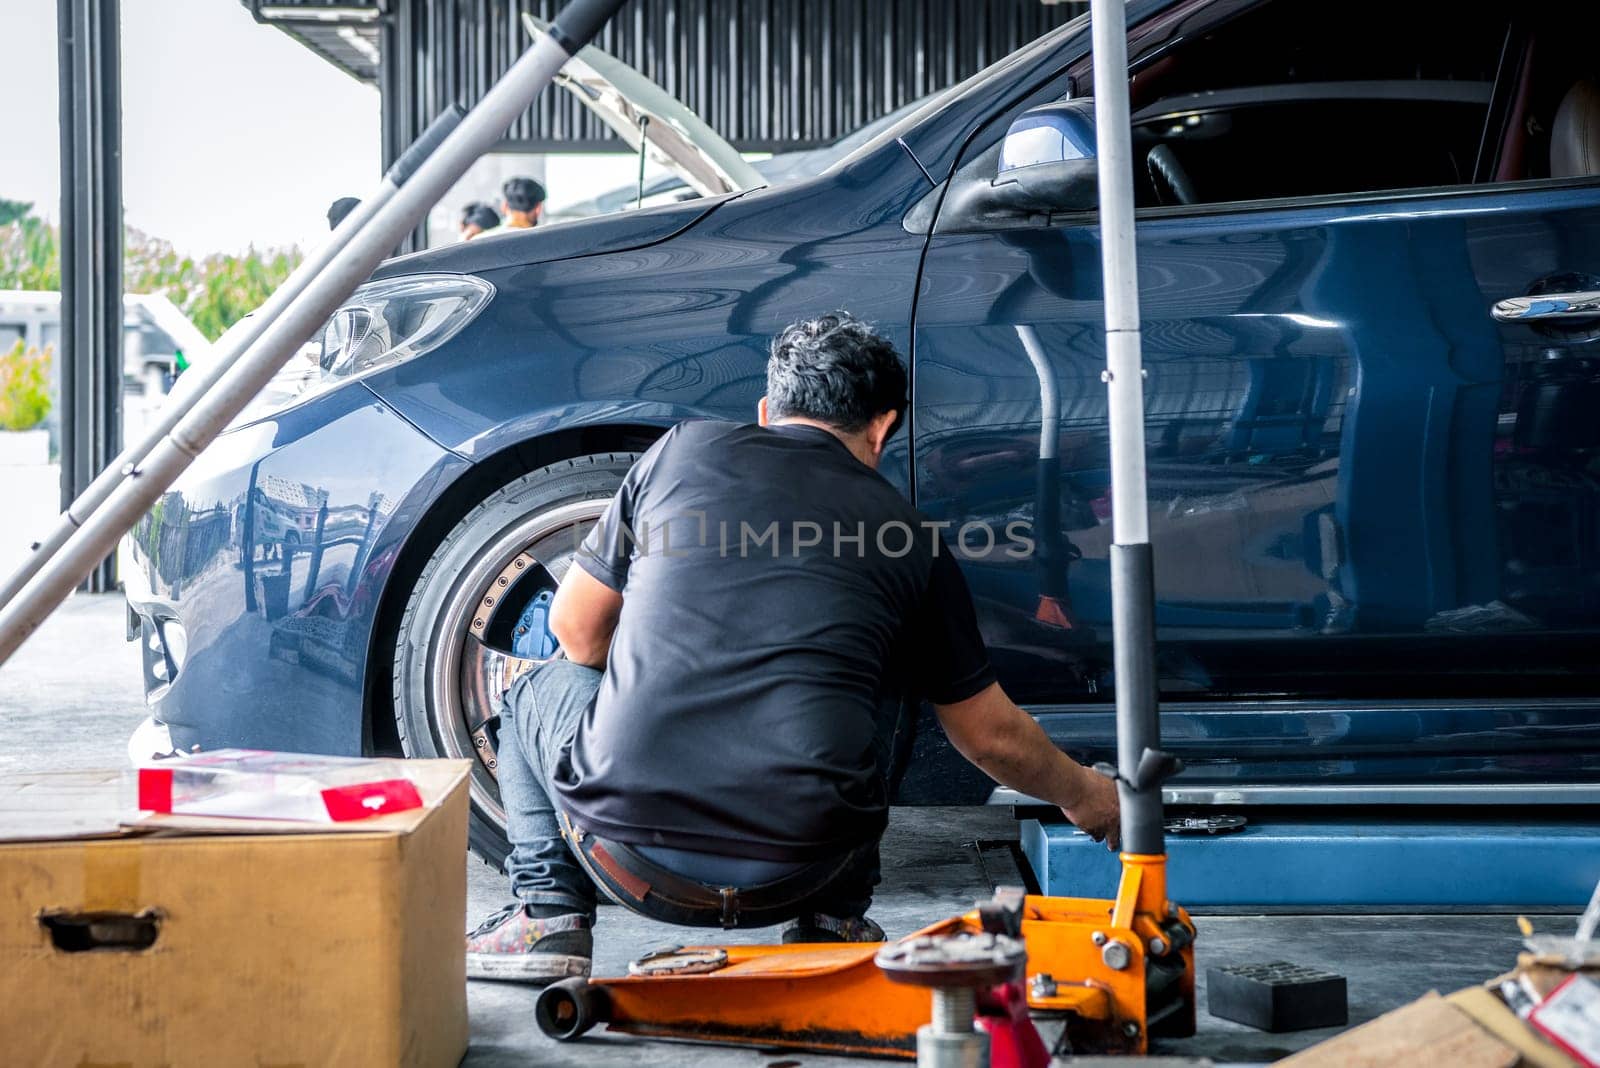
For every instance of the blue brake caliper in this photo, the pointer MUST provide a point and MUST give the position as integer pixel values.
(533, 640)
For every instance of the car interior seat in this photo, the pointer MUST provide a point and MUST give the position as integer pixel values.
(1575, 135)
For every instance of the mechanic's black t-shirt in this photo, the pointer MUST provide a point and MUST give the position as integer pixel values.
(770, 580)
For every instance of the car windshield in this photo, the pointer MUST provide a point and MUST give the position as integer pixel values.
(937, 102)
(690, 159)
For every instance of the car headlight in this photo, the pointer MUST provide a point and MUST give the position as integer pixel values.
(382, 324)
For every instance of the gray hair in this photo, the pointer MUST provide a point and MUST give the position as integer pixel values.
(837, 370)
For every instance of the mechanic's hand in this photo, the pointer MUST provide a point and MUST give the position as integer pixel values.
(1097, 812)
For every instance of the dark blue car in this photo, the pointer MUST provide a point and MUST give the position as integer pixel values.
(1369, 246)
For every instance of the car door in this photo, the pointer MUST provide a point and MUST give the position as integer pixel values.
(1373, 505)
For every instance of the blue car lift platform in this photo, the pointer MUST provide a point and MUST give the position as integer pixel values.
(1346, 862)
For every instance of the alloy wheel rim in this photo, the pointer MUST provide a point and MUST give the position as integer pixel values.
(469, 667)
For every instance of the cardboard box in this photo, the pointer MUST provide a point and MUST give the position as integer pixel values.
(1428, 1033)
(1471, 1028)
(1490, 1013)
(179, 941)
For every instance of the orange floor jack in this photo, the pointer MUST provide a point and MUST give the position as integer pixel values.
(1115, 972)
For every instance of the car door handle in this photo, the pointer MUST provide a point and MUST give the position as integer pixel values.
(1547, 307)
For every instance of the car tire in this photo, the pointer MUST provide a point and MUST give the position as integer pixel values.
(483, 578)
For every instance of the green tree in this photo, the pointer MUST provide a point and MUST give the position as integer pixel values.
(12, 210)
(24, 387)
(215, 292)
(30, 253)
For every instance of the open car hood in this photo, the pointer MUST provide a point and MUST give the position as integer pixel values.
(676, 138)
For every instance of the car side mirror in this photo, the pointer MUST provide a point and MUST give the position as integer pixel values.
(1046, 165)
(1049, 156)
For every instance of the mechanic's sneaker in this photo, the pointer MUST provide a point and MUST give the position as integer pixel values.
(513, 946)
(816, 927)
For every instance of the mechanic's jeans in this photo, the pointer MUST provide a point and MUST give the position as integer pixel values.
(538, 721)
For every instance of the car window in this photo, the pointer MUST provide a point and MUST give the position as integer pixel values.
(1294, 98)
(1309, 140)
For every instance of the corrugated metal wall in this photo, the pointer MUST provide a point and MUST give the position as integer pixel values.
(769, 75)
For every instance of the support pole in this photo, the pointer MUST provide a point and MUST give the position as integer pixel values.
(197, 382)
(397, 92)
(1132, 575)
(413, 185)
(91, 250)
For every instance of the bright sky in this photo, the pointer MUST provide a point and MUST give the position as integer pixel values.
(232, 133)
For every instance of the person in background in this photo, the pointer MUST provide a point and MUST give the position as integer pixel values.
(523, 203)
(477, 218)
(339, 209)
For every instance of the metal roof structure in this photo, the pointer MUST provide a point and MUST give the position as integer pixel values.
(769, 75)
(343, 32)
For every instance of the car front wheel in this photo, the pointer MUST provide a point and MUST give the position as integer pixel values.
(483, 599)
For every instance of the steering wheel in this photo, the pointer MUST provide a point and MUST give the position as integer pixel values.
(1172, 182)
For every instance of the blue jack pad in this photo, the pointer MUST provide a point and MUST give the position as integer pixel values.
(1342, 863)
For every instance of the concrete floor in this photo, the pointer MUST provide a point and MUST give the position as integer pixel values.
(71, 696)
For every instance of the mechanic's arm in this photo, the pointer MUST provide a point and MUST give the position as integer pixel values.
(1011, 748)
(583, 617)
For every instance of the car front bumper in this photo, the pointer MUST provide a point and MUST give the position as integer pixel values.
(257, 579)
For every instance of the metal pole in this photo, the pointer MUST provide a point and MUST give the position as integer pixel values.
(1132, 575)
(194, 385)
(397, 80)
(199, 380)
(418, 185)
(91, 248)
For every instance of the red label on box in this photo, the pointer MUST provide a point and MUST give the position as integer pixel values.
(368, 799)
(155, 789)
(1569, 1016)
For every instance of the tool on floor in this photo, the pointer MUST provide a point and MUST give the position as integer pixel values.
(90, 528)
(1277, 996)
(1212, 825)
